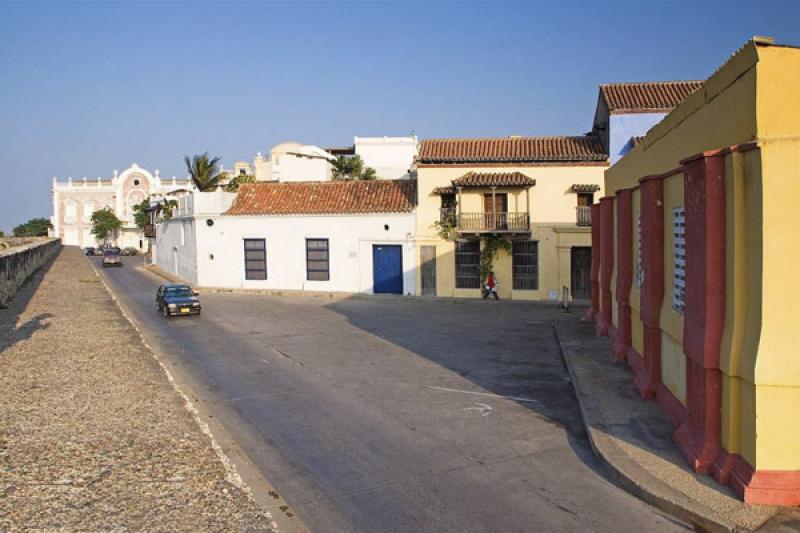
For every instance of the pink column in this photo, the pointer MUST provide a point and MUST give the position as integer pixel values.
(604, 322)
(622, 338)
(704, 318)
(652, 289)
(595, 272)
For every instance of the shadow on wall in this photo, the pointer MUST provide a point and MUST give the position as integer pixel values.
(505, 348)
(10, 331)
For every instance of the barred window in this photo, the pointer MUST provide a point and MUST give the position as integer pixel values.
(468, 265)
(525, 265)
(255, 259)
(317, 260)
(679, 259)
(639, 264)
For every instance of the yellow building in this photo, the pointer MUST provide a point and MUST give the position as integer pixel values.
(696, 271)
(530, 195)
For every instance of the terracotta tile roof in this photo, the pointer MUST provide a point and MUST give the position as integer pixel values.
(494, 179)
(585, 187)
(512, 149)
(325, 197)
(655, 96)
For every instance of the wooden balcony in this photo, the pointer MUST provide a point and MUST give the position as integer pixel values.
(150, 230)
(584, 215)
(490, 222)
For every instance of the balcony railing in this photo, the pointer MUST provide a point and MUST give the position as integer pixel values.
(486, 222)
(584, 215)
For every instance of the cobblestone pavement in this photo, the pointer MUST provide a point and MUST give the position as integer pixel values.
(92, 434)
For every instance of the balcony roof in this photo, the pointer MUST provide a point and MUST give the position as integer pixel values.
(494, 179)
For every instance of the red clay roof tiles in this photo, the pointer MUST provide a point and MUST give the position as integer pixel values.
(326, 197)
(494, 179)
(654, 96)
(512, 149)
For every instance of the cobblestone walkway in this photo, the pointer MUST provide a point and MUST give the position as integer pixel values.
(92, 434)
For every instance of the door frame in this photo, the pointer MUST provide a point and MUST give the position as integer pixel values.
(374, 270)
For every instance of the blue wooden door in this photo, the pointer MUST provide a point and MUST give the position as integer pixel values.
(387, 269)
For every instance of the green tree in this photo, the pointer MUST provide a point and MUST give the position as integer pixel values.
(352, 168)
(139, 214)
(233, 185)
(204, 171)
(369, 174)
(104, 223)
(166, 207)
(35, 227)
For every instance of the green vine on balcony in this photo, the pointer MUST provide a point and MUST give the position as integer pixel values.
(445, 227)
(491, 246)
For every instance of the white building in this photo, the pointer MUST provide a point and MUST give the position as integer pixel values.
(353, 236)
(74, 201)
(391, 157)
(287, 161)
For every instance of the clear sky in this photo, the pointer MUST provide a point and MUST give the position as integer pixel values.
(89, 87)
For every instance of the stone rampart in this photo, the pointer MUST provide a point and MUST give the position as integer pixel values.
(18, 262)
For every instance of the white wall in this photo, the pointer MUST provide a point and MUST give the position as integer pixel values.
(290, 167)
(220, 257)
(176, 248)
(391, 157)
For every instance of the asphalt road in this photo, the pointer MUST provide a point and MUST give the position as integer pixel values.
(396, 414)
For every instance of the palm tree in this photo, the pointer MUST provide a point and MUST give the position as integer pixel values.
(204, 171)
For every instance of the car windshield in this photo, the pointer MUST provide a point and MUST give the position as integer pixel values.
(111, 252)
(180, 292)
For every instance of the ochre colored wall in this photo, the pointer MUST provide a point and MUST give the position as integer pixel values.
(673, 367)
(553, 223)
(704, 121)
(747, 115)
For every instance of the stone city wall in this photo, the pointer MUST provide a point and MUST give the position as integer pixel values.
(21, 259)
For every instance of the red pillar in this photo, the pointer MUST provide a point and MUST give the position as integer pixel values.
(604, 322)
(622, 338)
(704, 317)
(595, 272)
(652, 289)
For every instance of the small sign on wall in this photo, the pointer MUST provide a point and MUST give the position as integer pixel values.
(552, 294)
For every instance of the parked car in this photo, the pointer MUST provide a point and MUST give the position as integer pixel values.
(112, 257)
(174, 299)
(130, 250)
(89, 250)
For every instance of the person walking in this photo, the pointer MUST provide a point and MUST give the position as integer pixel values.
(491, 286)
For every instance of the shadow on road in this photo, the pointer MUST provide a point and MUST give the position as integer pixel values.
(507, 348)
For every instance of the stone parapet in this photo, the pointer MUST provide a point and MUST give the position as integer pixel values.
(22, 259)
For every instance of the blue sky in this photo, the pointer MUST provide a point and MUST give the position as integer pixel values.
(89, 87)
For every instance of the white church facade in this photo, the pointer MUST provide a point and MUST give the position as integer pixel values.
(74, 201)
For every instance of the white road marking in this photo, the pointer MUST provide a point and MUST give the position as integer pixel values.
(482, 408)
(489, 394)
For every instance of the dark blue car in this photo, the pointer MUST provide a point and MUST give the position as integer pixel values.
(174, 299)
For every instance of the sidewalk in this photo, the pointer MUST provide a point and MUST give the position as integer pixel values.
(634, 442)
(93, 436)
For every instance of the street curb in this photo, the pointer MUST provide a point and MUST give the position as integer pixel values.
(222, 442)
(632, 477)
